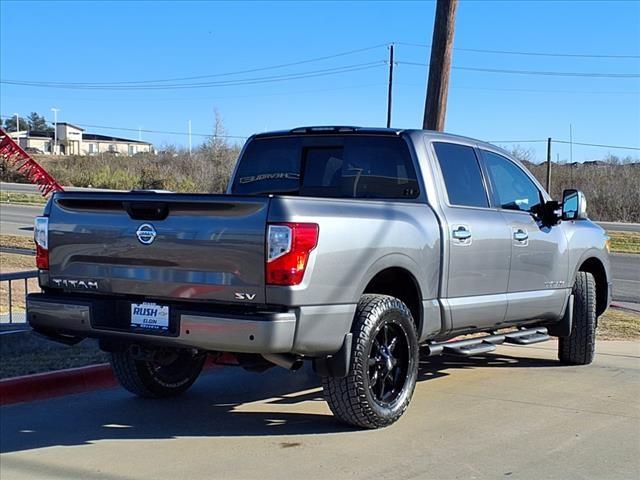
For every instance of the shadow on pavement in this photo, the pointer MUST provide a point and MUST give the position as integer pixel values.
(216, 406)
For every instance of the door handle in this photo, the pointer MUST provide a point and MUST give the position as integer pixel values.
(461, 233)
(520, 235)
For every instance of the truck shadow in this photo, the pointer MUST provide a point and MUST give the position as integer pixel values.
(224, 403)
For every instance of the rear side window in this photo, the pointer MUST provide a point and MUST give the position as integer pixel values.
(513, 188)
(333, 166)
(269, 167)
(462, 176)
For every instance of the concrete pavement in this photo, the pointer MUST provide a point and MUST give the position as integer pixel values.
(515, 414)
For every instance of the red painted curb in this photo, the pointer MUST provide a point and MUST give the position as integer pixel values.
(73, 380)
(55, 384)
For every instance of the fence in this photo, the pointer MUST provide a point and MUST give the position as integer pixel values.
(16, 277)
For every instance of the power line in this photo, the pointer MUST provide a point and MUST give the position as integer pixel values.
(164, 98)
(226, 83)
(142, 130)
(536, 54)
(600, 145)
(529, 90)
(597, 145)
(534, 72)
(224, 74)
(567, 142)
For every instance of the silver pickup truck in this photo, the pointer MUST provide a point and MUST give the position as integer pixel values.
(353, 248)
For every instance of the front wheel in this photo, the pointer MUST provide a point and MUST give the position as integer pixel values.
(383, 367)
(579, 347)
(167, 375)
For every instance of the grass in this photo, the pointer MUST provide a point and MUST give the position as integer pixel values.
(619, 324)
(16, 263)
(22, 198)
(28, 363)
(17, 241)
(625, 242)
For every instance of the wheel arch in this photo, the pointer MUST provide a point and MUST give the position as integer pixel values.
(595, 267)
(401, 283)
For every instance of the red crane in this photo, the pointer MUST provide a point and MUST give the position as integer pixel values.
(16, 157)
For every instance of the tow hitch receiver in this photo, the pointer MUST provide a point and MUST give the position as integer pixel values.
(488, 343)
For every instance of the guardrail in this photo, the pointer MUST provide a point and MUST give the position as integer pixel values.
(13, 277)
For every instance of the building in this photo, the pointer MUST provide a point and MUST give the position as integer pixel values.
(72, 140)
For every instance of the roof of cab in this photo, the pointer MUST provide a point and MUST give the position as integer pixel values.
(348, 130)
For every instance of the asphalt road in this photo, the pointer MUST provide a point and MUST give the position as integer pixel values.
(620, 227)
(626, 277)
(513, 414)
(18, 220)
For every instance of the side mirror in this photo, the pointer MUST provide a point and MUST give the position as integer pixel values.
(574, 205)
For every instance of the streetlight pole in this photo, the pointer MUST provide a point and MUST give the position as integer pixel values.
(55, 130)
(17, 126)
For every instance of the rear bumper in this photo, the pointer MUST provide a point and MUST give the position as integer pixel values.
(268, 332)
(313, 330)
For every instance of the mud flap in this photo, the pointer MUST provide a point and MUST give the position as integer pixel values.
(336, 365)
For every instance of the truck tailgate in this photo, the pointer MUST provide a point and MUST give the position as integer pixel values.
(159, 245)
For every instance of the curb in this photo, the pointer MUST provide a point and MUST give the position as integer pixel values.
(628, 308)
(40, 386)
(55, 384)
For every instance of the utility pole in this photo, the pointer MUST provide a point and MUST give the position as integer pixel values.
(435, 108)
(549, 165)
(55, 130)
(390, 93)
(17, 126)
(189, 137)
(571, 143)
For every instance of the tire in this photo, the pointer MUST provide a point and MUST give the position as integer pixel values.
(579, 347)
(380, 383)
(170, 377)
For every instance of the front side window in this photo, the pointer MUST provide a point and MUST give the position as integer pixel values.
(462, 175)
(513, 188)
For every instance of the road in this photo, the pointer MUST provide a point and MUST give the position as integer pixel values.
(18, 220)
(31, 188)
(620, 227)
(512, 414)
(626, 277)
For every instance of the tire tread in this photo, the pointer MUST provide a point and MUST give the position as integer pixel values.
(346, 396)
(579, 347)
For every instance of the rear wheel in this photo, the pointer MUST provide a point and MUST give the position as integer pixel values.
(168, 374)
(579, 347)
(383, 368)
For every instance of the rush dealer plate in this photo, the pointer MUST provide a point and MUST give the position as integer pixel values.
(150, 316)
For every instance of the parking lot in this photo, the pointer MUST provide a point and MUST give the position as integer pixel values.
(513, 414)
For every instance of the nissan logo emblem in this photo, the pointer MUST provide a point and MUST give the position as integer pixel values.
(146, 234)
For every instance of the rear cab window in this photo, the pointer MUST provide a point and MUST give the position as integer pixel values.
(336, 166)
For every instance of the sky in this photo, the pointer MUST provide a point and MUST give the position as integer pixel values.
(107, 44)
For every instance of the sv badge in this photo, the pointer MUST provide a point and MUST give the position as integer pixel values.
(244, 296)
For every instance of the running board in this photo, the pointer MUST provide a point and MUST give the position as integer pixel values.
(488, 343)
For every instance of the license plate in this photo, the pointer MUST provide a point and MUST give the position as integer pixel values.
(150, 315)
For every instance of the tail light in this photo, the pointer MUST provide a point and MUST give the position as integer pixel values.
(288, 248)
(41, 237)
